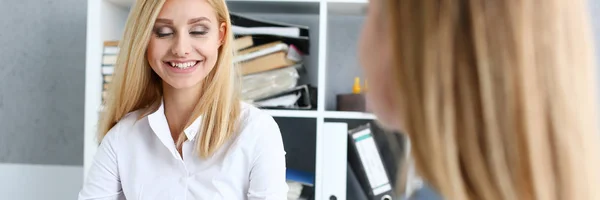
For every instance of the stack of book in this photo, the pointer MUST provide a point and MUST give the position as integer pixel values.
(269, 56)
(301, 185)
(109, 59)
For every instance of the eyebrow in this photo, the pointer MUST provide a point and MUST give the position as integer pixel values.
(191, 21)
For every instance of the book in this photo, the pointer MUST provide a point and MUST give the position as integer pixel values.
(269, 83)
(114, 43)
(297, 98)
(242, 43)
(266, 31)
(107, 78)
(301, 43)
(301, 184)
(260, 51)
(280, 31)
(111, 50)
(265, 63)
(256, 48)
(109, 59)
(108, 69)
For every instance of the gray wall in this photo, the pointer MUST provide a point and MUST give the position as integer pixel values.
(595, 15)
(42, 77)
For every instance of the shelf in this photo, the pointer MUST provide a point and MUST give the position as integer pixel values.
(349, 1)
(122, 3)
(314, 114)
(276, 1)
(349, 115)
(336, 6)
(128, 3)
(274, 7)
(292, 113)
(347, 7)
(343, 34)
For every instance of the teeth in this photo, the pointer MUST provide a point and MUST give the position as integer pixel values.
(183, 65)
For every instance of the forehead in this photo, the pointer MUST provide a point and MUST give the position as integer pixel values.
(175, 9)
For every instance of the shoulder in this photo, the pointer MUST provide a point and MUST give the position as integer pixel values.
(251, 115)
(126, 124)
(256, 123)
(260, 134)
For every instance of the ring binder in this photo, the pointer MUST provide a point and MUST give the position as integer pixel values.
(365, 159)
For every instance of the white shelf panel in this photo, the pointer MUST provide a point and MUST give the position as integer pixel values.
(122, 3)
(292, 113)
(128, 3)
(349, 115)
(276, 1)
(310, 7)
(348, 1)
(347, 7)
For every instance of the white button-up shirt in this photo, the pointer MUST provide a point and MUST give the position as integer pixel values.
(138, 160)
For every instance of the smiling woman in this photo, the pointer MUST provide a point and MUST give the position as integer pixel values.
(173, 125)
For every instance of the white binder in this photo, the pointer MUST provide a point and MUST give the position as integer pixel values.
(335, 150)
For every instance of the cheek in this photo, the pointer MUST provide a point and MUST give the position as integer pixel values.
(208, 50)
(155, 52)
(375, 58)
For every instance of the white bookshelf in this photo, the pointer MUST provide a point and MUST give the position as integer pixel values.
(106, 20)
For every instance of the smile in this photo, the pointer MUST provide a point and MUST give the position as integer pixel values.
(182, 65)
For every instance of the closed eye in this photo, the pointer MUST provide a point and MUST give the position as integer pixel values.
(160, 35)
(199, 32)
(163, 31)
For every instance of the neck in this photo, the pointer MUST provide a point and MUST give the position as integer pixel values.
(179, 104)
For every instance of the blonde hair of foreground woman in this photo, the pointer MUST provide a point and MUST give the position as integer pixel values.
(496, 96)
(135, 86)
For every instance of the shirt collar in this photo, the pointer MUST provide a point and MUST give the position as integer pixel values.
(158, 123)
(193, 129)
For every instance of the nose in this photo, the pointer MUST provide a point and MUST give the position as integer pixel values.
(181, 47)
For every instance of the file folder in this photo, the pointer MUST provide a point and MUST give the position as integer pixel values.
(245, 21)
(355, 190)
(365, 159)
(333, 179)
(301, 42)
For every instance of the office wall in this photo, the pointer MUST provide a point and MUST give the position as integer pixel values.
(42, 68)
(42, 54)
(35, 182)
(595, 15)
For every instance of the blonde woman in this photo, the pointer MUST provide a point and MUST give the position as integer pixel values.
(174, 127)
(497, 97)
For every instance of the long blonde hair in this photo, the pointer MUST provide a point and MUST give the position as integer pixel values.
(498, 97)
(136, 86)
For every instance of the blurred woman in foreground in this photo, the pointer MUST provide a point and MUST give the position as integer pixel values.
(497, 97)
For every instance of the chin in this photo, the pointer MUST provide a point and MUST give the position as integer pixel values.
(183, 84)
(386, 117)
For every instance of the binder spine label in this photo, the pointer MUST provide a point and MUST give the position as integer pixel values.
(369, 156)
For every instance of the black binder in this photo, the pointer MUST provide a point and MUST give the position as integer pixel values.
(365, 159)
(354, 190)
(245, 21)
(302, 42)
